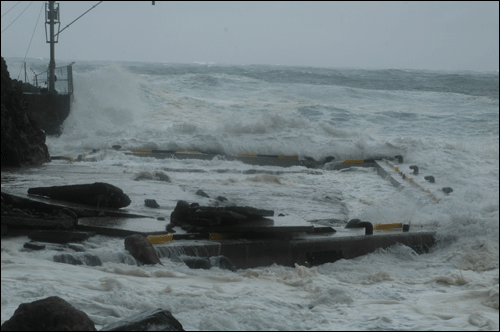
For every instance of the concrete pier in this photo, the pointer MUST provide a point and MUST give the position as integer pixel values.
(308, 250)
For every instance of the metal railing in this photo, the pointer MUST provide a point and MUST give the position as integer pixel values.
(63, 82)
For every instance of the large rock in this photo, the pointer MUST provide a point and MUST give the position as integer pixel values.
(85, 259)
(141, 249)
(49, 314)
(97, 194)
(23, 143)
(151, 320)
(208, 216)
(197, 262)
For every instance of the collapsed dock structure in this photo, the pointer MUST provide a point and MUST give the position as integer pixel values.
(263, 239)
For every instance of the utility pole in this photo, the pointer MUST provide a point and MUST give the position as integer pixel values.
(51, 18)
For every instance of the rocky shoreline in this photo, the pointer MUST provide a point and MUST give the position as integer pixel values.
(23, 143)
(53, 226)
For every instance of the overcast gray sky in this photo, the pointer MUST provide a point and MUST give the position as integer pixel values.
(373, 35)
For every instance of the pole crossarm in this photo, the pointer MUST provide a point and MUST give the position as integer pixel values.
(79, 17)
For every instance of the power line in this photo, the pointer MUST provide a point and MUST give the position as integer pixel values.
(36, 24)
(78, 18)
(17, 17)
(11, 8)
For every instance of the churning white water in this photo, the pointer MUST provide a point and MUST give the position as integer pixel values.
(447, 123)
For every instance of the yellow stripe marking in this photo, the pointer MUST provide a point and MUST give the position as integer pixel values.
(155, 239)
(380, 227)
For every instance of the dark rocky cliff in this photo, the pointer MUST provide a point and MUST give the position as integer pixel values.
(23, 143)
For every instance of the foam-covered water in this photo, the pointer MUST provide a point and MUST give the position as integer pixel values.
(447, 123)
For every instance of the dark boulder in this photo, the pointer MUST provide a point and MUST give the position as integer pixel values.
(447, 190)
(221, 198)
(222, 262)
(180, 213)
(49, 314)
(197, 262)
(97, 194)
(86, 259)
(142, 250)
(67, 259)
(202, 193)
(187, 215)
(23, 143)
(161, 176)
(151, 320)
(151, 203)
(92, 260)
(57, 236)
(170, 228)
(430, 178)
(34, 245)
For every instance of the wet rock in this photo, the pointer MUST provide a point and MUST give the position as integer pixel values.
(447, 190)
(151, 203)
(197, 262)
(144, 176)
(92, 260)
(180, 213)
(34, 245)
(151, 320)
(187, 215)
(141, 249)
(170, 228)
(76, 247)
(329, 159)
(70, 213)
(49, 314)
(202, 193)
(221, 198)
(160, 218)
(23, 143)
(430, 178)
(222, 262)
(67, 259)
(97, 194)
(57, 236)
(162, 176)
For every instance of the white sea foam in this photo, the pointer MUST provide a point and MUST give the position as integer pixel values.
(452, 136)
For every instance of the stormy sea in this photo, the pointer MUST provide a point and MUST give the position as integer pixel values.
(445, 122)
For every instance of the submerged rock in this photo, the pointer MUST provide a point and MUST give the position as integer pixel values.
(98, 194)
(151, 203)
(202, 193)
(142, 250)
(197, 262)
(151, 320)
(49, 314)
(222, 262)
(161, 176)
